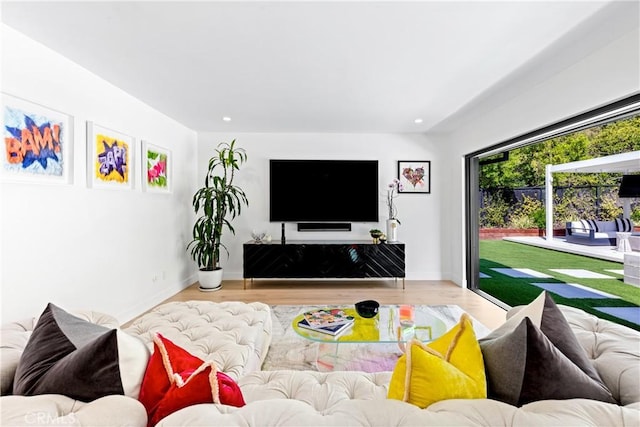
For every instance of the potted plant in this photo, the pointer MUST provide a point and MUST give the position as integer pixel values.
(219, 201)
(393, 189)
(376, 234)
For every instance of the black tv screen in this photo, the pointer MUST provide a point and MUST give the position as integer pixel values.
(323, 190)
(630, 186)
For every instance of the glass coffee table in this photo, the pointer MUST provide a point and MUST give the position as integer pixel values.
(385, 328)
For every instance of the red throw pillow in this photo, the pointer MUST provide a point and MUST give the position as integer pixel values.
(175, 379)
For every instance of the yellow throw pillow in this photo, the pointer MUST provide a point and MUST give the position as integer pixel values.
(450, 367)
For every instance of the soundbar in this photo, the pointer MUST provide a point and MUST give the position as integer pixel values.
(324, 226)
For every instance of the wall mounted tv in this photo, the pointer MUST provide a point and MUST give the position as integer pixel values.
(323, 190)
(629, 186)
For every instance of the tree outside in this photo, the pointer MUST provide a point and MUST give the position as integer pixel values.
(512, 191)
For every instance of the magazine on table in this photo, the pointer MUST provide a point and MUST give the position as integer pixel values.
(323, 317)
(331, 330)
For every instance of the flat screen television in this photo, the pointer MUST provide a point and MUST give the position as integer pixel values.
(323, 190)
(629, 186)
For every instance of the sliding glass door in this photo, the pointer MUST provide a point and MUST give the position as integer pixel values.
(620, 110)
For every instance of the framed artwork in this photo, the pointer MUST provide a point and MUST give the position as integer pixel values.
(109, 158)
(37, 143)
(414, 176)
(156, 168)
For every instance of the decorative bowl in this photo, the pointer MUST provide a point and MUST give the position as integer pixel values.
(368, 308)
(375, 233)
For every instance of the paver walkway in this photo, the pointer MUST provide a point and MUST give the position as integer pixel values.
(630, 314)
(574, 290)
(522, 273)
(581, 273)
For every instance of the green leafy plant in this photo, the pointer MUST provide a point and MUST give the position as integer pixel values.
(539, 217)
(495, 211)
(572, 205)
(523, 213)
(220, 201)
(521, 222)
(610, 208)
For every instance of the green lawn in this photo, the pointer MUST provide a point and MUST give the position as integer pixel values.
(513, 291)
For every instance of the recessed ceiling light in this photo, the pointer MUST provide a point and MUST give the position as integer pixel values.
(417, 121)
(226, 119)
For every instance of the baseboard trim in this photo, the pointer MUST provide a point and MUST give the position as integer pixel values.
(138, 309)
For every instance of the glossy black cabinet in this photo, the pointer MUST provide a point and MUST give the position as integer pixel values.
(323, 259)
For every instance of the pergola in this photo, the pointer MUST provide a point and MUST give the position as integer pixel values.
(621, 163)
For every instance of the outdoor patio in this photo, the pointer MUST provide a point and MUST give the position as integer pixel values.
(607, 253)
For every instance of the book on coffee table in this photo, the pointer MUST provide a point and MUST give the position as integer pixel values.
(331, 329)
(324, 317)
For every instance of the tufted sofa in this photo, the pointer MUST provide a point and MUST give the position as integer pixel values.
(297, 398)
(49, 409)
(235, 335)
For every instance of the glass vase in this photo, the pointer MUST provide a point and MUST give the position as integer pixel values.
(392, 230)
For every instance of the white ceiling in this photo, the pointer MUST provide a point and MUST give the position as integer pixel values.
(323, 66)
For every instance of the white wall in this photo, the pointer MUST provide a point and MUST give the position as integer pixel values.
(420, 214)
(604, 76)
(100, 249)
(89, 248)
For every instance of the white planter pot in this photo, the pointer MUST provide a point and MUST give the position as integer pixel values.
(392, 230)
(210, 280)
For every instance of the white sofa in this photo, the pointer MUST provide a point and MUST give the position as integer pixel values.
(595, 233)
(582, 232)
(49, 409)
(298, 398)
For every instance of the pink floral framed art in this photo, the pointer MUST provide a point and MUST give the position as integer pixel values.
(156, 168)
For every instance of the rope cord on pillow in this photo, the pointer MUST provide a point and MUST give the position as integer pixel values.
(176, 378)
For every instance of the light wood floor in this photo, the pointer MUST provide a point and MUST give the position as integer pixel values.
(296, 292)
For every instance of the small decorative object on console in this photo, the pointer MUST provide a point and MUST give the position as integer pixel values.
(258, 237)
(376, 234)
(392, 222)
(367, 308)
(393, 189)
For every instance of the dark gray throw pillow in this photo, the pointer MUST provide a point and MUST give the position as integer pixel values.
(70, 356)
(546, 315)
(555, 327)
(523, 366)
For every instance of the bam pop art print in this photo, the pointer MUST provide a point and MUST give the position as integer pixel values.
(37, 142)
(110, 158)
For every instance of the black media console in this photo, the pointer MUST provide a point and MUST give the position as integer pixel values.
(323, 259)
